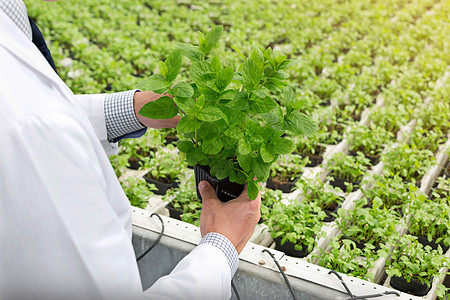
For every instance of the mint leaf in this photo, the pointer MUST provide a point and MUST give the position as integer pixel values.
(261, 92)
(163, 69)
(210, 114)
(182, 89)
(187, 105)
(212, 146)
(162, 108)
(216, 66)
(300, 123)
(289, 99)
(173, 63)
(185, 146)
(245, 162)
(262, 106)
(282, 146)
(234, 132)
(239, 102)
(224, 78)
(190, 51)
(252, 189)
(252, 74)
(188, 124)
(261, 170)
(211, 39)
(156, 83)
(244, 147)
(266, 153)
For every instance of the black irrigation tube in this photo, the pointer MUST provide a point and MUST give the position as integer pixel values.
(155, 242)
(282, 273)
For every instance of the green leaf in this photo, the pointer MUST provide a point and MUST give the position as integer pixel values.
(212, 146)
(261, 92)
(252, 189)
(224, 78)
(261, 170)
(186, 104)
(282, 146)
(162, 108)
(289, 98)
(202, 74)
(300, 123)
(185, 146)
(244, 147)
(173, 63)
(245, 162)
(163, 69)
(211, 39)
(266, 154)
(188, 124)
(262, 106)
(234, 132)
(190, 51)
(216, 66)
(210, 114)
(156, 83)
(182, 89)
(239, 102)
(252, 74)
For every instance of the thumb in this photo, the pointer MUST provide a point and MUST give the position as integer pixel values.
(207, 191)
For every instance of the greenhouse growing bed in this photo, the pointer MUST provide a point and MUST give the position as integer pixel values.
(374, 76)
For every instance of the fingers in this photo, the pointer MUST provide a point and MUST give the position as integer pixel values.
(207, 191)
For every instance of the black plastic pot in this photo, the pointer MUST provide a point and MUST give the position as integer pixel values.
(170, 140)
(134, 163)
(359, 245)
(424, 241)
(160, 186)
(374, 159)
(289, 248)
(173, 212)
(413, 287)
(315, 160)
(330, 217)
(339, 182)
(225, 189)
(285, 187)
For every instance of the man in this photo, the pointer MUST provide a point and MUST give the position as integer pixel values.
(65, 223)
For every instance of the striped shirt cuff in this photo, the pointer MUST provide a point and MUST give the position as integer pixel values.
(224, 244)
(119, 115)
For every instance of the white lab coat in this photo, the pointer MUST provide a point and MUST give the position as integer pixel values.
(65, 222)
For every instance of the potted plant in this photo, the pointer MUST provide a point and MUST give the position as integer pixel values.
(285, 172)
(231, 128)
(347, 171)
(137, 191)
(370, 141)
(295, 227)
(140, 150)
(368, 226)
(311, 147)
(429, 222)
(268, 199)
(322, 194)
(345, 257)
(183, 203)
(412, 266)
(164, 170)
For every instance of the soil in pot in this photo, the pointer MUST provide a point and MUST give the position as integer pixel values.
(374, 159)
(289, 248)
(359, 245)
(316, 158)
(161, 186)
(225, 189)
(285, 186)
(331, 211)
(170, 139)
(413, 287)
(340, 183)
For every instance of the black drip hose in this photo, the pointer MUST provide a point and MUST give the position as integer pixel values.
(282, 273)
(353, 297)
(157, 240)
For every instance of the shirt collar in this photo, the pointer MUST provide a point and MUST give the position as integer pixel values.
(17, 11)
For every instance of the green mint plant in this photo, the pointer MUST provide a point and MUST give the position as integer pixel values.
(369, 140)
(268, 199)
(345, 257)
(185, 198)
(373, 226)
(288, 167)
(348, 167)
(230, 119)
(411, 260)
(321, 193)
(140, 150)
(166, 166)
(299, 223)
(138, 191)
(423, 139)
(430, 220)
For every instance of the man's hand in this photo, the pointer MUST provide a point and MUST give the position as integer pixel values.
(235, 219)
(142, 98)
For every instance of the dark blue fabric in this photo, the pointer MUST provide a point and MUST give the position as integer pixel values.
(38, 40)
(131, 135)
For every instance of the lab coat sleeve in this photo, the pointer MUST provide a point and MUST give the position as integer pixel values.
(203, 274)
(93, 105)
